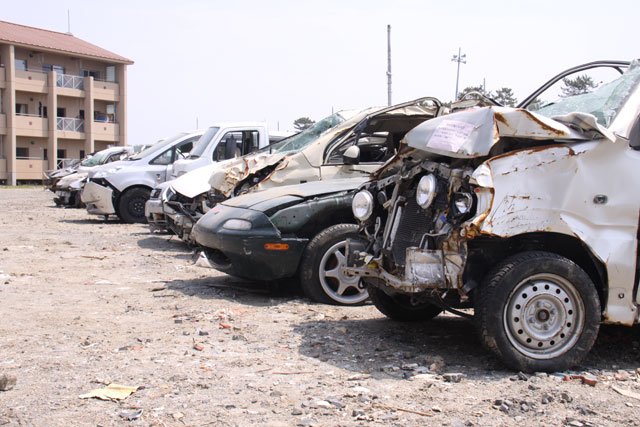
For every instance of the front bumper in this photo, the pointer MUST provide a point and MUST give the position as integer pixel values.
(243, 253)
(99, 199)
(154, 212)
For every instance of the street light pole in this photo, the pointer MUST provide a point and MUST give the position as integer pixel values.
(458, 58)
(388, 64)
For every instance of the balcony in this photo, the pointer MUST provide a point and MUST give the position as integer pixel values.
(3, 84)
(106, 91)
(70, 128)
(31, 125)
(31, 81)
(69, 85)
(30, 168)
(106, 131)
(3, 125)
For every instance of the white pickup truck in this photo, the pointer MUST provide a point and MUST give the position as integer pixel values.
(123, 188)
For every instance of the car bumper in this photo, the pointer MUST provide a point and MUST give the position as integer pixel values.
(243, 253)
(154, 212)
(99, 199)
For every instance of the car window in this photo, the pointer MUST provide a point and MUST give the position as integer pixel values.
(172, 154)
(375, 147)
(236, 144)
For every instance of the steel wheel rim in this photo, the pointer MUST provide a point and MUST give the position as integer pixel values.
(136, 207)
(336, 285)
(544, 316)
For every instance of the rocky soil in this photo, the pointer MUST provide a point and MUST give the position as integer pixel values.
(86, 302)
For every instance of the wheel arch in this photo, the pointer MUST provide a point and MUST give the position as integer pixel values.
(564, 245)
(117, 195)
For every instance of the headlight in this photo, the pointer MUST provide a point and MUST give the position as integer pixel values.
(426, 191)
(237, 224)
(463, 202)
(167, 194)
(362, 205)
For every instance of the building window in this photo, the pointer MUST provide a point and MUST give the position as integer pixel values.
(21, 65)
(59, 69)
(111, 73)
(90, 73)
(62, 154)
(82, 154)
(61, 112)
(81, 116)
(22, 152)
(21, 109)
(44, 154)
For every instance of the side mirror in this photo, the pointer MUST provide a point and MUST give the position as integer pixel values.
(634, 135)
(352, 155)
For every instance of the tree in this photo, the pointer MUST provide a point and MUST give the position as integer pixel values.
(505, 97)
(578, 86)
(303, 123)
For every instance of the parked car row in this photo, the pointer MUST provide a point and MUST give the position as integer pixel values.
(523, 218)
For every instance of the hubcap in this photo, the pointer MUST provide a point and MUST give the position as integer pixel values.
(340, 287)
(136, 207)
(544, 316)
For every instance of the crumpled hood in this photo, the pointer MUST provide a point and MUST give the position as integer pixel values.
(306, 190)
(472, 133)
(113, 165)
(69, 180)
(194, 183)
(226, 178)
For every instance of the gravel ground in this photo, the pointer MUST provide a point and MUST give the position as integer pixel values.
(86, 302)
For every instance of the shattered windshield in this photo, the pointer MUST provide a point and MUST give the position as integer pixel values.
(203, 142)
(156, 147)
(306, 137)
(604, 102)
(96, 159)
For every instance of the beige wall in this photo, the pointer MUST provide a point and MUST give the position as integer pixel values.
(32, 100)
(35, 146)
(72, 147)
(72, 66)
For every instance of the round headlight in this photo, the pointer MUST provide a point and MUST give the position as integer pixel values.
(362, 205)
(237, 224)
(426, 191)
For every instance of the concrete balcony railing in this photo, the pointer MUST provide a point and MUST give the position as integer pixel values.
(3, 125)
(106, 91)
(30, 125)
(106, 131)
(30, 168)
(31, 81)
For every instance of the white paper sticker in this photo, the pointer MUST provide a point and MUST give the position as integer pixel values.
(450, 135)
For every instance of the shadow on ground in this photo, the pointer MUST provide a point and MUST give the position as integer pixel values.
(380, 347)
(259, 294)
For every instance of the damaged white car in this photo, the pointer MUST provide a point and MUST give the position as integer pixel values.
(528, 216)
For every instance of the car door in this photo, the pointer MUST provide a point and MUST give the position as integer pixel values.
(374, 149)
(162, 165)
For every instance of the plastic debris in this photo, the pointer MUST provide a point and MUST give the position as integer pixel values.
(110, 392)
(131, 415)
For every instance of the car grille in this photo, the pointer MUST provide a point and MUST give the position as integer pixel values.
(414, 222)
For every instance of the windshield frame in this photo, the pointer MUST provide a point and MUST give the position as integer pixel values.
(203, 143)
(157, 147)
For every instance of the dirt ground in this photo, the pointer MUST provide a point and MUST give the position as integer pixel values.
(86, 302)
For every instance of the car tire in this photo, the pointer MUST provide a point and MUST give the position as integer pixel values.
(538, 312)
(320, 277)
(131, 205)
(399, 307)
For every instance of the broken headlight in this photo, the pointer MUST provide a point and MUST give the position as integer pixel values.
(426, 191)
(362, 205)
(462, 202)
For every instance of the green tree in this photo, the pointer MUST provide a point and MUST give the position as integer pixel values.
(578, 86)
(505, 97)
(303, 123)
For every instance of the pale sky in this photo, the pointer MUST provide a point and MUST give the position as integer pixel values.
(215, 61)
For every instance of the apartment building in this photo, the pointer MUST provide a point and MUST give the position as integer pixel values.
(60, 98)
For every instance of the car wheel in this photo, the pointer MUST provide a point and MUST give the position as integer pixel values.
(321, 277)
(538, 311)
(131, 205)
(399, 307)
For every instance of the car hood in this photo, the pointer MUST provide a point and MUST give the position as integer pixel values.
(195, 182)
(69, 180)
(260, 200)
(472, 133)
(226, 178)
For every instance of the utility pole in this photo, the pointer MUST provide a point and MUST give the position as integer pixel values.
(458, 58)
(388, 64)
